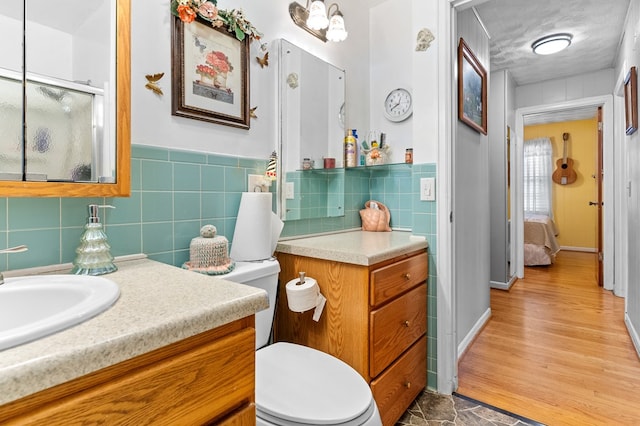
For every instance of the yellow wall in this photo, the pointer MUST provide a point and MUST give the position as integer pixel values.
(575, 218)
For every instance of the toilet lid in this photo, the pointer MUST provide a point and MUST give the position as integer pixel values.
(298, 384)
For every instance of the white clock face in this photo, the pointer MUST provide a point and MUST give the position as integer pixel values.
(398, 106)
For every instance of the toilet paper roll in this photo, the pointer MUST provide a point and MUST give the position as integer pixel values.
(302, 297)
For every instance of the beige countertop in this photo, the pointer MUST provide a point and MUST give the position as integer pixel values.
(356, 247)
(158, 305)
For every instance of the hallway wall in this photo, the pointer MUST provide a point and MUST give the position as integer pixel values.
(630, 57)
(471, 206)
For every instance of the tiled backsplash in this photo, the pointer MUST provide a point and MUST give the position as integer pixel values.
(174, 193)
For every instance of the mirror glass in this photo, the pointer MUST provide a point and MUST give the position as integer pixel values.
(312, 107)
(67, 100)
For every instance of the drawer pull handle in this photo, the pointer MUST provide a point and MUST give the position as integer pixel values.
(406, 323)
(407, 276)
(407, 385)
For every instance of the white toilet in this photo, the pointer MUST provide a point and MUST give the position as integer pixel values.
(298, 385)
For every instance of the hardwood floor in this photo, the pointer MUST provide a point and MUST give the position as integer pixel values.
(556, 350)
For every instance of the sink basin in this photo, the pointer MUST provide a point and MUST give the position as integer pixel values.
(37, 306)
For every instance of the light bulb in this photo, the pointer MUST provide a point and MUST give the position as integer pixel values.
(337, 31)
(317, 19)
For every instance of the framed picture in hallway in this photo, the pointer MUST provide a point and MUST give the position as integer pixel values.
(210, 74)
(631, 102)
(472, 89)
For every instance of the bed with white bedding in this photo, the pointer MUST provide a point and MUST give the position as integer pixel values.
(540, 244)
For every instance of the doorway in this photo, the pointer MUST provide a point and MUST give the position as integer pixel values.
(573, 195)
(608, 197)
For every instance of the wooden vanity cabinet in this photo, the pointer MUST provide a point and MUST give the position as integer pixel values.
(208, 378)
(375, 320)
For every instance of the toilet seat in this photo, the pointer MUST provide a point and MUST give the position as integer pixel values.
(299, 385)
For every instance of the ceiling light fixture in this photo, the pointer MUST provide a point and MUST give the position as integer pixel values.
(315, 18)
(551, 44)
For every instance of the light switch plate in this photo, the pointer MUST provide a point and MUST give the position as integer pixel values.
(290, 191)
(427, 189)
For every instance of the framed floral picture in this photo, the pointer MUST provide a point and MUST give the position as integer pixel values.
(210, 74)
(472, 89)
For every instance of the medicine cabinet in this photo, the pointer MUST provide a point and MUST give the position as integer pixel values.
(65, 98)
(312, 105)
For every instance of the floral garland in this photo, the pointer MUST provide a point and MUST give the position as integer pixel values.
(234, 20)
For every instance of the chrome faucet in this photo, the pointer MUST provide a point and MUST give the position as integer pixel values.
(16, 249)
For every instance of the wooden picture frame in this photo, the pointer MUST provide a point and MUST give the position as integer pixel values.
(209, 74)
(472, 89)
(631, 101)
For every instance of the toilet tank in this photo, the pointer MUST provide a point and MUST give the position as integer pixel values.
(261, 274)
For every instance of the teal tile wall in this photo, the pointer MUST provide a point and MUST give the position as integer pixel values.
(398, 187)
(315, 194)
(174, 193)
(424, 222)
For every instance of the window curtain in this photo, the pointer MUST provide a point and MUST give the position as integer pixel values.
(538, 168)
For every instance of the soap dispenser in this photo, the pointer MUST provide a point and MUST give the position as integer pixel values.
(93, 256)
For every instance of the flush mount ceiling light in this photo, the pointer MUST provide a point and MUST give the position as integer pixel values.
(551, 44)
(315, 18)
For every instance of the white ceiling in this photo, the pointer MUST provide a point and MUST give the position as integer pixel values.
(596, 25)
(513, 25)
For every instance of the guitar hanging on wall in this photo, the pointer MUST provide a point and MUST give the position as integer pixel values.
(564, 174)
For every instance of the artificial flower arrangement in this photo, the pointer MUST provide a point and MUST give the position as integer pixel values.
(234, 19)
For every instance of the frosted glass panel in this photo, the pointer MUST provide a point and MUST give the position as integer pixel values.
(11, 88)
(60, 133)
(59, 125)
(10, 128)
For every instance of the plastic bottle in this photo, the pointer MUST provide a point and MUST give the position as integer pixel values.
(350, 142)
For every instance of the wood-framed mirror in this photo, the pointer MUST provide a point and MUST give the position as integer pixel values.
(69, 77)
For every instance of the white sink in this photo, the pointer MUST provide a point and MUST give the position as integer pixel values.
(36, 306)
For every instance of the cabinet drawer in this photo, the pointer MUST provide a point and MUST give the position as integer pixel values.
(395, 326)
(246, 416)
(397, 387)
(193, 387)
(391, 280)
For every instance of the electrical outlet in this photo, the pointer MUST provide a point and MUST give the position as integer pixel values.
(427, 189)
(290, 191)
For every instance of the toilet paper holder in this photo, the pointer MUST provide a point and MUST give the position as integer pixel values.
(304, 294)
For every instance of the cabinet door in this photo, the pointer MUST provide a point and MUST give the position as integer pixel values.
(195, 387)
(396, 326)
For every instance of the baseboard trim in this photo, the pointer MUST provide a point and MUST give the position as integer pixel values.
(503, 286)
(473, 333)
(635, 338)
(499, 285)
(584, 249)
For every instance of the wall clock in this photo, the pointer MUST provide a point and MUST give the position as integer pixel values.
(398, 106)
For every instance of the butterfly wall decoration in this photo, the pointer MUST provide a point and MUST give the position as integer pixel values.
(152, 83)
(264, 61)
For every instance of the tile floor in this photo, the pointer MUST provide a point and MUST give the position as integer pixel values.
(431, 409)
